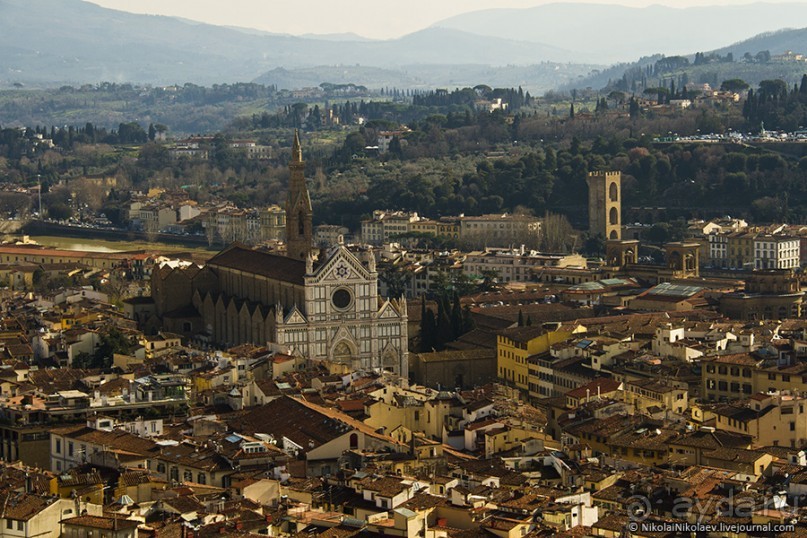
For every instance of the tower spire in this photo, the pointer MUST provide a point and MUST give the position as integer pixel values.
(296, 150)
(299, 229)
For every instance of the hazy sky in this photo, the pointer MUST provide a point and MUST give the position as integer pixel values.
(369, 18)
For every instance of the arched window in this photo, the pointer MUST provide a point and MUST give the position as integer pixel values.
(354, 440)
(613, 216)
(301, 223)
(613, 235)
(613, 192)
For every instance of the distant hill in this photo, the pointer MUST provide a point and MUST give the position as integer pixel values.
(47, 42)
(534, 78)
(779, 42)
(609, 33)
(776, 43)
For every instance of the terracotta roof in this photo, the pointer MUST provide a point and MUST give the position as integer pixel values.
(605, 385)
(98, 522)
(21, 506)
(260, 263)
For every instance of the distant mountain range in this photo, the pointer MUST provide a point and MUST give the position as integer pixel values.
(603, 33)
(776, 43)
(54, 42)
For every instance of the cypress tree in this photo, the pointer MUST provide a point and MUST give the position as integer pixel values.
(456, 317)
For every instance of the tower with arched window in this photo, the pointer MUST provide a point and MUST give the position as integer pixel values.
(299, 213)
(605, 204)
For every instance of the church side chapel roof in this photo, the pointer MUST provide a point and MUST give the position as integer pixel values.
(261, 263)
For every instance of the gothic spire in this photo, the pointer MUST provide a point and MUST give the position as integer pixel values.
(296, 150)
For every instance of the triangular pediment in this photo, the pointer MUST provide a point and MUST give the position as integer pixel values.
(388, 311)
(341, 266)
(342, 333)
(295, 317)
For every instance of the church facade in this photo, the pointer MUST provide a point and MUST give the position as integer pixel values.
(325, 309)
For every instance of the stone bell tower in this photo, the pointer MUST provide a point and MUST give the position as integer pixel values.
(605, 204)
(299, 229)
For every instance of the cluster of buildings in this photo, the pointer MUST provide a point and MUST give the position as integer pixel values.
(199, 148)
(160, 211)
(499, 230)
(775, 248)
(289, 392)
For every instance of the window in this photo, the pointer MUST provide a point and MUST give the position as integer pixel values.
(9, 524)
(70, 448)
(58, 446)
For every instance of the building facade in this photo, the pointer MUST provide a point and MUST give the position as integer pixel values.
(327, 309)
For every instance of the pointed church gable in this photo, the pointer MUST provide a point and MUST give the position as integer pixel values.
(258, 314)
(342, 333)
(342, 265)
(197, 299)
(295, 318)
(388, 311)
(162, 273)
(191, 271)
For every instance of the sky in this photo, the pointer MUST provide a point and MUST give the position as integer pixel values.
(377, 19)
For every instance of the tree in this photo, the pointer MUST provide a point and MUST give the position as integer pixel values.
(660, 92)
(396, 280)
(113, 341)
(734, 85)
(634, 109)
(557, 234)
(153, 156)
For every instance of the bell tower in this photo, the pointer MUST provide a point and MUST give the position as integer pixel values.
(605, 204)
(299, 230)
